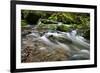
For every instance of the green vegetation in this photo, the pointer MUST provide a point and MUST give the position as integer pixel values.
(66, 18)
(69, 21)
(23, 23)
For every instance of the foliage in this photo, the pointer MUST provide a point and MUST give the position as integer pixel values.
(23, 23)
(66, 18)
(79, 21)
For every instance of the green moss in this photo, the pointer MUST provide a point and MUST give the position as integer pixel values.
(63, 28)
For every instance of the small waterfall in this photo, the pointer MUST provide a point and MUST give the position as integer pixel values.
(73, 33)
(76, 39)
(71, 42)
(46, 41)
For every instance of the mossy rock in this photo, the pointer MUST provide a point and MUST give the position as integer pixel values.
(63, 28)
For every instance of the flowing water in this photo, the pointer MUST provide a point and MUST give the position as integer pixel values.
(76, 45)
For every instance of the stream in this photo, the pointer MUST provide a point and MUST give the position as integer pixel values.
(75, 45)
